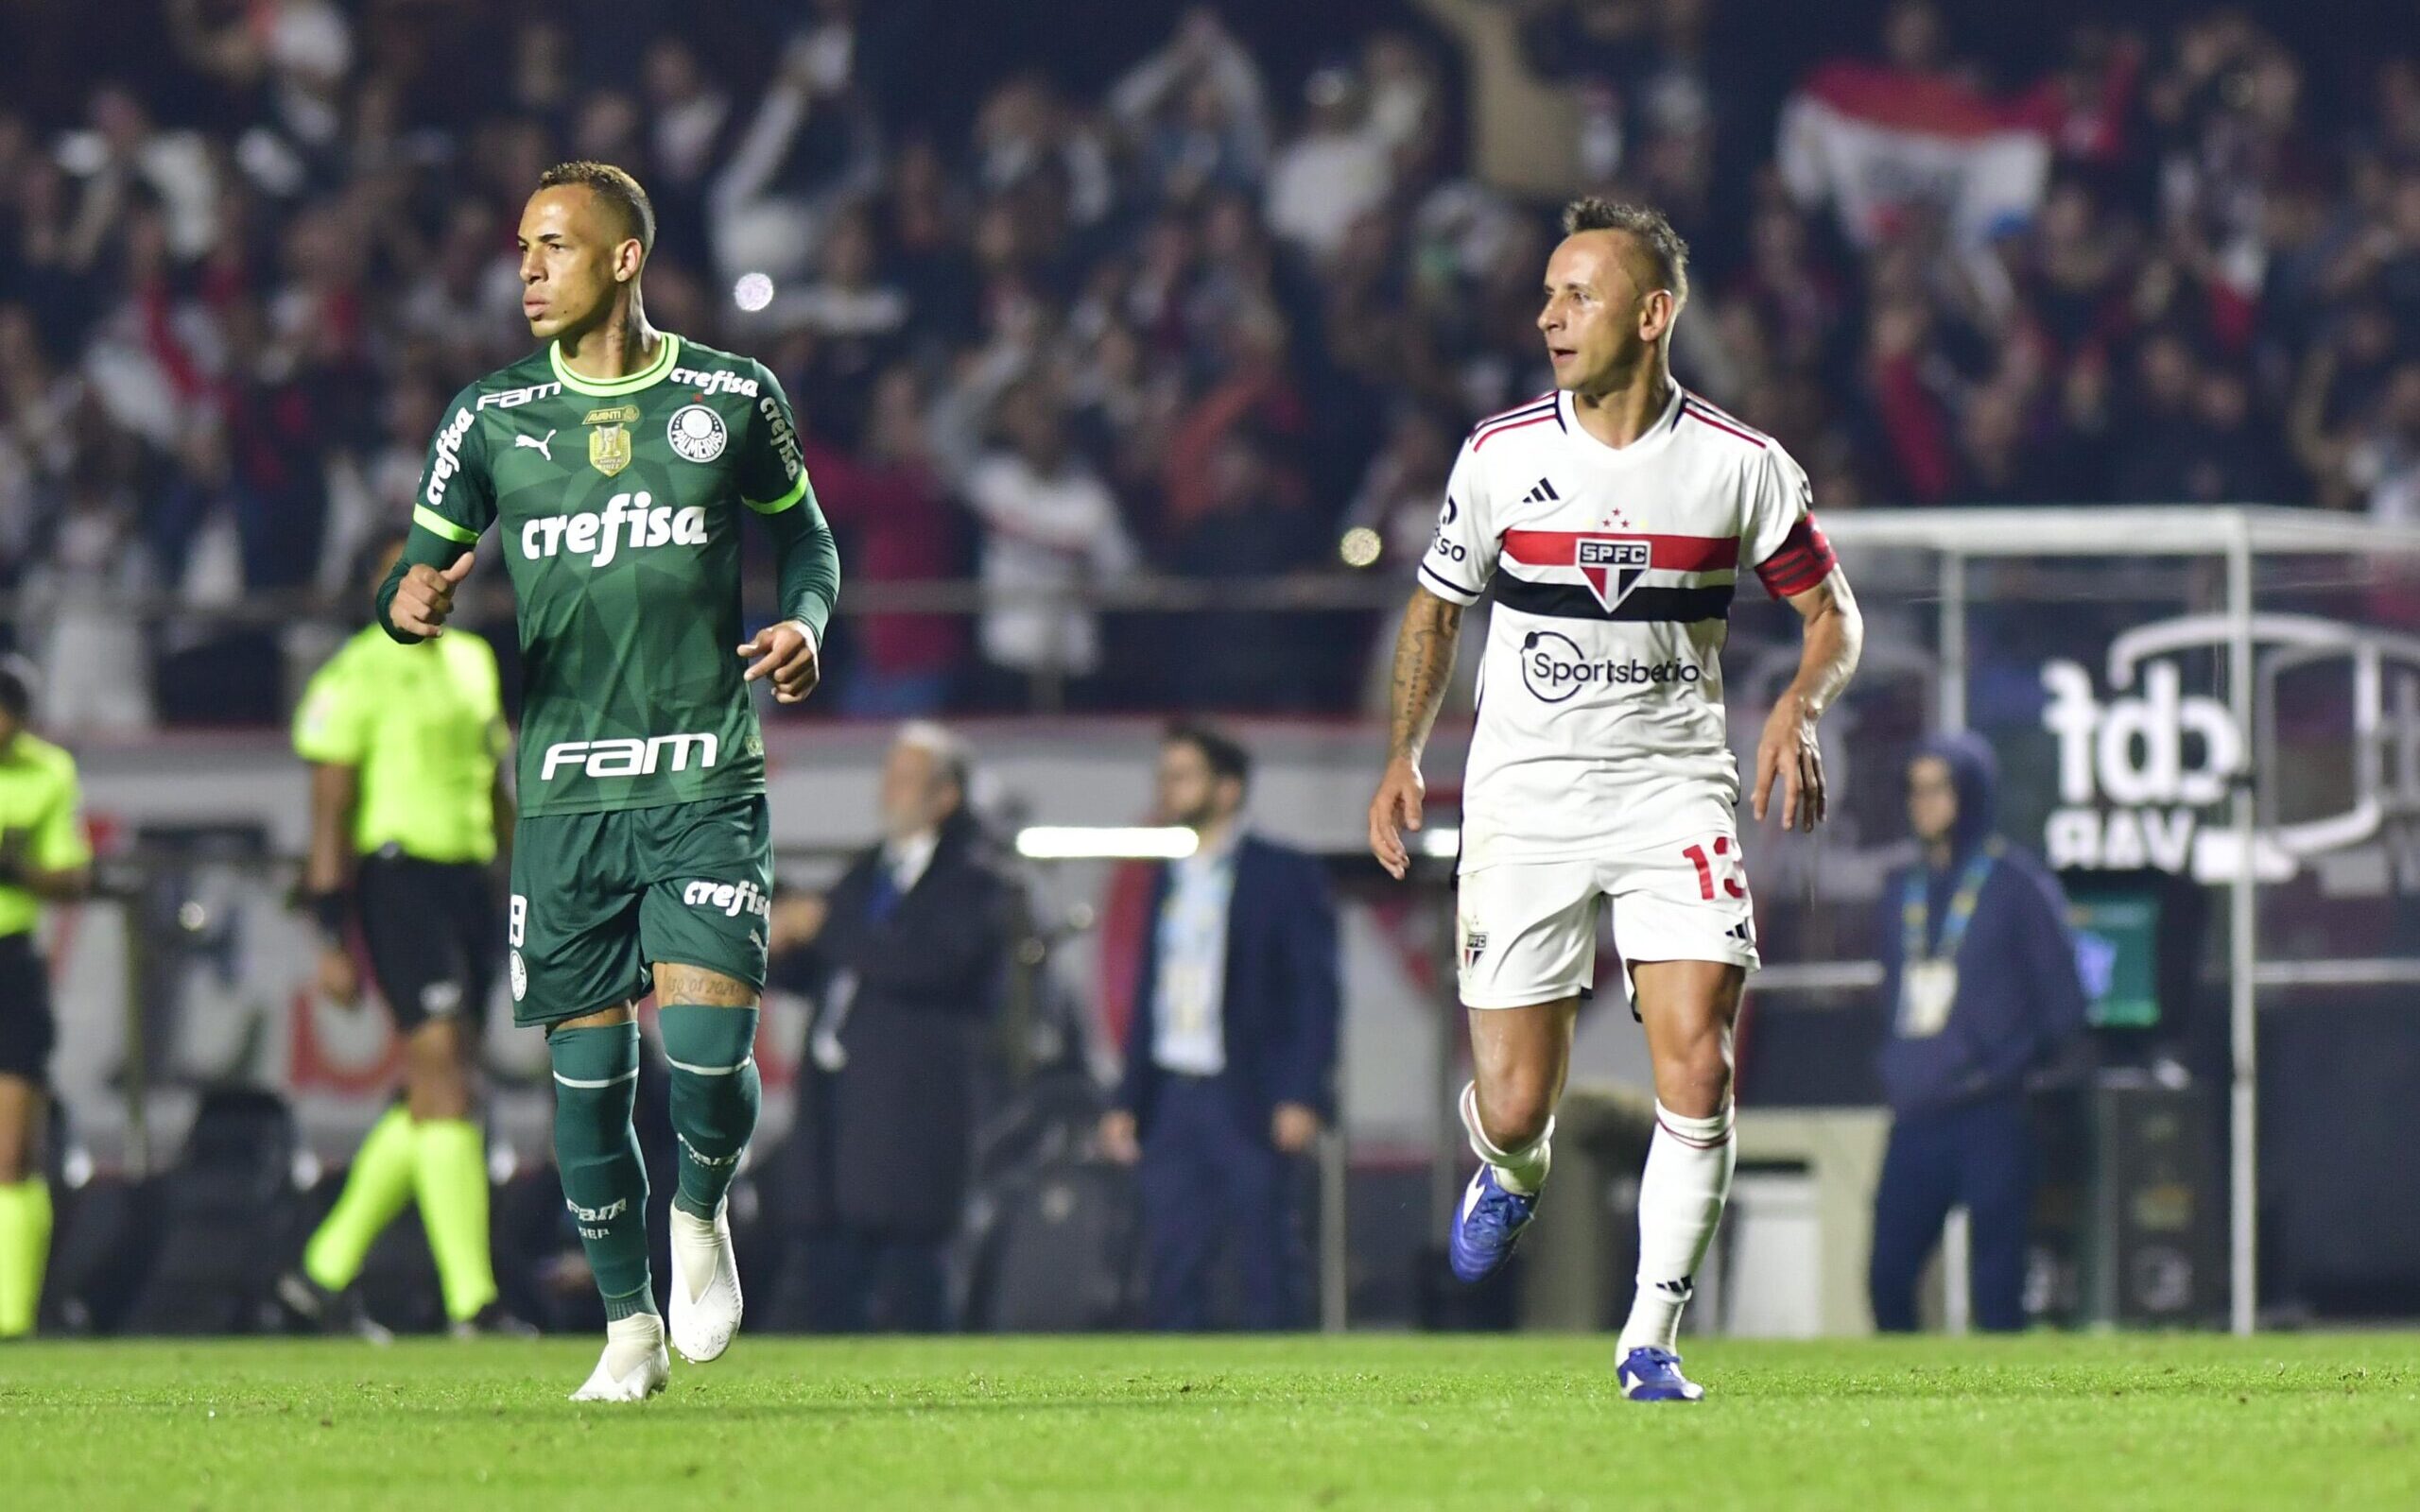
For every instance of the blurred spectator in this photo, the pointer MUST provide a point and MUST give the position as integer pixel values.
(1196, 112)
(1230, 1054)
(857, 324)
(1339, 170)
(1050, 528)
(895, 523)
(914, 942)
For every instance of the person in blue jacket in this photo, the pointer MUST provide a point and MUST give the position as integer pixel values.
(1980, 974)
(1231, 1053)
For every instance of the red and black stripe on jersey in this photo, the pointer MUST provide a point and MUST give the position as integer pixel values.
(1647, 602)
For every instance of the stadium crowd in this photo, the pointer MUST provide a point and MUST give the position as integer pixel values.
(1196, 319)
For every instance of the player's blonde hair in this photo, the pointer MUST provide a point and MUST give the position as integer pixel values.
(1643, 224)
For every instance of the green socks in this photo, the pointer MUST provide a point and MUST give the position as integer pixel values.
(597, 1075)
(379, 1185)
(716, 1092)
(450, 1179)
(25, 1250)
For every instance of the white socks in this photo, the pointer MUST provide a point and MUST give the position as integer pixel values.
(699, 1245)
(1522, 1170)
(630, 1341)
(1680, 1201)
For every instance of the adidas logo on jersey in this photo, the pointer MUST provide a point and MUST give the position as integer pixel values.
(1542, 493)
(631, 520)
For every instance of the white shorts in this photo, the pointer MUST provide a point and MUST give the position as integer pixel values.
(1526, 930)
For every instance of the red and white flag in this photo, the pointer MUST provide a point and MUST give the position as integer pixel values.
(1874, 141)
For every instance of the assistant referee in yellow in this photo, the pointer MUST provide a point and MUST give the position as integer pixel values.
(408, 800)
(43, 856)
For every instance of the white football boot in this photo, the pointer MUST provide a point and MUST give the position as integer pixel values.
(705, 1286)
(633, 1366)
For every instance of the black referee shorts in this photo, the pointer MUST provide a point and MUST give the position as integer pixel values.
(28, 1030)
(433, 932)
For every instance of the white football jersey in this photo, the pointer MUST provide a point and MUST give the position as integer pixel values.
(1600, 728)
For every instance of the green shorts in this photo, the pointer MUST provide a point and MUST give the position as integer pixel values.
(601, 899)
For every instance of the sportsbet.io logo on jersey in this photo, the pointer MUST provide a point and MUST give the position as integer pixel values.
(1555, 669)
(631, 521)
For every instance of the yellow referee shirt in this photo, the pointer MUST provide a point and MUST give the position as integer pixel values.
(424, 726)
(38, 812)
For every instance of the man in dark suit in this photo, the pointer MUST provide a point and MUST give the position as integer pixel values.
(1231, 1051)
(911, 946)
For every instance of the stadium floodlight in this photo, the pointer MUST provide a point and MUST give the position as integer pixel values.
(1106, 842)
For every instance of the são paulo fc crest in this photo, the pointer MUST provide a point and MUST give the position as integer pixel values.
(696, 433)
(1612, 565)
(609, 448)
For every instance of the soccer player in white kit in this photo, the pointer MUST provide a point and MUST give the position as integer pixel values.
(1611, 516)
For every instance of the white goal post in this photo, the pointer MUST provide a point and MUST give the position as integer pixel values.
(2267, 602)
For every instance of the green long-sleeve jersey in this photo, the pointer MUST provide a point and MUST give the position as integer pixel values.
(617, 506)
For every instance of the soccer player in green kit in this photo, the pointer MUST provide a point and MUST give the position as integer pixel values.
(617, 462)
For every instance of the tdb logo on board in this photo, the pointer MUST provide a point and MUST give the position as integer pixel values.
(2143, 772)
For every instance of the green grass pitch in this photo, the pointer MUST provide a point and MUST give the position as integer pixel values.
(1367, 1421)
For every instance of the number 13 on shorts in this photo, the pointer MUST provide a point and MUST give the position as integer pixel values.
(1717, 865)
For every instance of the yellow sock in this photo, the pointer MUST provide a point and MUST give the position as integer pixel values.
(24, 1253)
(450, 1180)
(379, 1186)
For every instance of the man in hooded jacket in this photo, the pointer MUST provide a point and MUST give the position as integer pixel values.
(1981, 977)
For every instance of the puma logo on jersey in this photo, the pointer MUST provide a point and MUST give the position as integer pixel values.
(542, 445)
(635, 520)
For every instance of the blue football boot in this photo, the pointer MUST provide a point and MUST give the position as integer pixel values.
(1486, 1226)
(1649, 1374)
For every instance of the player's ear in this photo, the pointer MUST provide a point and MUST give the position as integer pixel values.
(628, 259)
(1655, 313)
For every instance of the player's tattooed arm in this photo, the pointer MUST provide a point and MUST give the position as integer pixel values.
(1424, 662)
(695, 984)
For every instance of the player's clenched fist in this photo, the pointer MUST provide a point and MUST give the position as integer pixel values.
(425, 597)
(786, 653)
